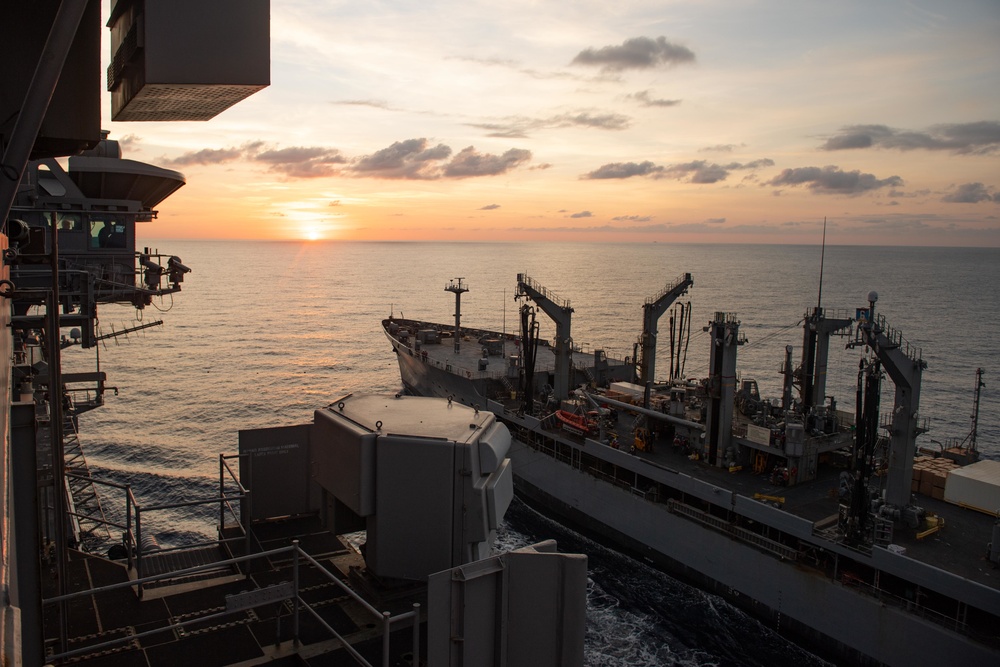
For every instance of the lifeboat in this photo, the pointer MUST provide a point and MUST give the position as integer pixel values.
(574, 423)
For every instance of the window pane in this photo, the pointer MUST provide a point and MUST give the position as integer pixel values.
(70, 222)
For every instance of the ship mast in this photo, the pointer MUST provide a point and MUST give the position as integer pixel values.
(975, 411)
(457, 288)
(817, 329)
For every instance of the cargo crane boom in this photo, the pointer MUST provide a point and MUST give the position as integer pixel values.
(560, 312)
(904, 365)
(654, 307)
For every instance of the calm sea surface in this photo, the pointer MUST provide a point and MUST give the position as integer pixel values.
(264, 333)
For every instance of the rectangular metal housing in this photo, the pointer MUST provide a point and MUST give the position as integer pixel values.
(343, 461)
(186, 59)
(417, 507)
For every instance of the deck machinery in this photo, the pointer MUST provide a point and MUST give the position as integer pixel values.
(652, 310)
(904, 365)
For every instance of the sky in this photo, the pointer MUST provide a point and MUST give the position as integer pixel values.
(665, 121)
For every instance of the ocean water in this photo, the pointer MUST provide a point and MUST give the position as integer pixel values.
(266, 332)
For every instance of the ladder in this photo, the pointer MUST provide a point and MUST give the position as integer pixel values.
(83, 496)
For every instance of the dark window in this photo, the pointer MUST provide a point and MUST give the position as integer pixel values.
(107, 232)
(69, 222)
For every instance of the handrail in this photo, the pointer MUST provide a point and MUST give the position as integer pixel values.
(243, 496)
(232, 475)
(669, 288)
(186, 503)
(223, 501)
(540, 289)
(475, 373)
(895, 337)
(387, 620)
(132, 533)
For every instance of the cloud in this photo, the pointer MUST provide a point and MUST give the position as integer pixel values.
(410, 159)
(527, 71)
(295, 161)
(908, 195)
(129, 141)
(720, 148)
(697, 171)
(642, 97)
(635, 53)
(753, 164)
(375, 104)
(703, 172)
(625, 170)
(414, 159)
(640, 229)
(518, 127)
(632, 218)
(715, 221)
(489, 207)
(970, 193)
(979, 138)
(302, 161)
(582, 214)
(208, 156)
(469, 163)
(833, 180)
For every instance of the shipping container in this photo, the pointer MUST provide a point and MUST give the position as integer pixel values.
(976, 486)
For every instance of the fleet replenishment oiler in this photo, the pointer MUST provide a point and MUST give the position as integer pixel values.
(822, 522)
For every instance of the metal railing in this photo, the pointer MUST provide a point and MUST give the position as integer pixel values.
(456, 369)
(124, 527)
(887, 598)
(896, 338)
(134, 541)
(296, 553)
(523, 278)
(132, 529)
(670, 287)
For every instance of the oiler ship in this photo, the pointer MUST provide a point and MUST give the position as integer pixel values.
(830, 525)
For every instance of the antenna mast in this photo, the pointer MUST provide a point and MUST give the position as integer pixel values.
(975, 410)
(457, 288)
(822, 258)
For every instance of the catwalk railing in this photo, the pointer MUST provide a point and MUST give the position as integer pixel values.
(242, 602)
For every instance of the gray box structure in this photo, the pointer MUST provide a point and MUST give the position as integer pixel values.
(186, 59)
(431, 478)
(525, 607)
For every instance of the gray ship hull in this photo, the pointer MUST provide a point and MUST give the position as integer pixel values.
(426, 379)
(856, 628)
(819, 601)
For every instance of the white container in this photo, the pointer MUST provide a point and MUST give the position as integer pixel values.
(628, 389)
(976, 486)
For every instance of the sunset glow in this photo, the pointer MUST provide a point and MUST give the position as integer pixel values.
(643, 121)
